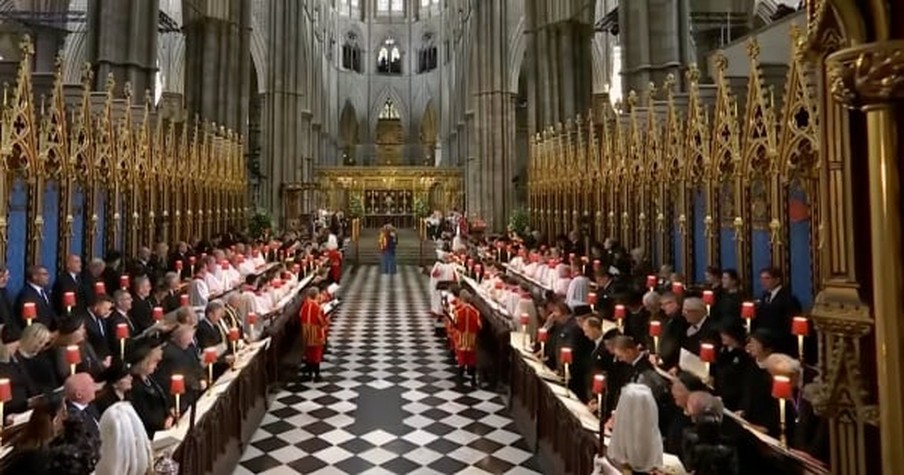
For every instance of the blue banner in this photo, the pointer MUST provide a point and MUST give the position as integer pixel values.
(728, 251)
(77, 244)
(18, 236)
(762, 258)
(801, 278)
(699, 237)
(51, 215)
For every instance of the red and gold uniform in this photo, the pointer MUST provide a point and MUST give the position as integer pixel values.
(335, 258)
(467, 324)
(313, 329)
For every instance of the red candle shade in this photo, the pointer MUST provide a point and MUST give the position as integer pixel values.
(500, 285)
(177, 384)
(224, 265)
(542, 335)
(525, 319)
(677, 288)
(748, 310)
(178, 266)
(122, 331)
(707, 353)
(100, 288)
(233, 334)
(597, 264)
(183, 300)
(619, 312)
(69, 299)
(158, 314)
(6, 390)
(709, 297)
(29, 311)
(565, 355)
(599, 383)
(651, 281)
(781, 387)
(252, 318)
(124, 281)
(210, 355)
(800, 326)
(591, 298)
(73, 354)
(655, 328)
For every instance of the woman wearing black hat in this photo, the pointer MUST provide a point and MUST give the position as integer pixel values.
(72, 333)
(733, 365)
(118, 381)
(150, 399)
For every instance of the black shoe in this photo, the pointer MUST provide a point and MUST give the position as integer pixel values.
(318, 379)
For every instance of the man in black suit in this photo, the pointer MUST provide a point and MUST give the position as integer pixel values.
(79, 389)
(570, 335)
(606, 289)
(181, 254)
(635, 360)
(70, 280)
(96, 326)
(777, 307)
(637, 320)
(601, 360)
(700, 328)
(11, 326)
(142, 304)
(34, 292)
(171, 299)
(122, 300)
(141, 265)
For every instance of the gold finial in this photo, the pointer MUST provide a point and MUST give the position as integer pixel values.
(720, 62)
(651, 93)
(110, 83)
(127, 91)
(58, 64)
(27, 46)
(87, 75)
(753, 48)
(693, 73)
(632, 99)
(669, 84)
(148, 97)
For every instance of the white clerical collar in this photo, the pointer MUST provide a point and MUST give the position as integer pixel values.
(79, 406)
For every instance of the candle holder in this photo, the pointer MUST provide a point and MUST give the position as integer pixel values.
(748, 311)
(177, 387)
(567, 377)
(781, 390)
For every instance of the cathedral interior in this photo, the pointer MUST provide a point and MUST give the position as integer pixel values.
(705, 133)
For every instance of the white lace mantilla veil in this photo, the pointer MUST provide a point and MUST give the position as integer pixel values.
(636, 441)
(125, 447)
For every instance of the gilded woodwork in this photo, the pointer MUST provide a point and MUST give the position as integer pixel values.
(94, 149)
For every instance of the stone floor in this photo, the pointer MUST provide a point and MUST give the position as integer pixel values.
(389, 402)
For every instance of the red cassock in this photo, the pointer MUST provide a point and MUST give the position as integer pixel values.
(467, 324)
(450, 326)
(313, 329)
(335, 264)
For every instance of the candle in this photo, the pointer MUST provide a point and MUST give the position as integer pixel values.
(800, 326)
(69, 300)
(678, 288)
(73, 357)
(122, 331)
(565, 355)
(29, 311)
(591, 298)
(655, 328)
(183, 300)
(651, 282)
(124, 282)
(707, 352)
(525, 319)
(177, 384)
(233, 334)
(252, 318)
(157, 314)
(210, 355)
(619, 312)
(599, 383)
(178, 266)
(6, 390)
(781, 387)
(100, 288)
(709, 297)
(748, 310)
(542, 335)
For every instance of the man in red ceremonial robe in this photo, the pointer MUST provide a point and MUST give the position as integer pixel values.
(313, 330)
(335, 257)
(467, 324)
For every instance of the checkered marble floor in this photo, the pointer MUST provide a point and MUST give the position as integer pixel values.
(389, 402)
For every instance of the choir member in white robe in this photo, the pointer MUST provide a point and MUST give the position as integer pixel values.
(517, 263)
(530, 269)
(198, 292)
(245, 266)
(258, 259)
(578, 289)
(563, 271)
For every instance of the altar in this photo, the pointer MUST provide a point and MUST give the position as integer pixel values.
(398, 195)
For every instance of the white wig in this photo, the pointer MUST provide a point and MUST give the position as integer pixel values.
(125, 448)
(636, 441)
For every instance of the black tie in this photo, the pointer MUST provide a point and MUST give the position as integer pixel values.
(100, 325)
(44, 296)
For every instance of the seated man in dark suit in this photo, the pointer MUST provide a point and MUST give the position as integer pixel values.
(80, 389)
(35, 292)
(700, 328)
(180, 356)
(70, 280)
(96, 326)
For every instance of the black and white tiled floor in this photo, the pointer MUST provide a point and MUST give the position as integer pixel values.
(389, 402)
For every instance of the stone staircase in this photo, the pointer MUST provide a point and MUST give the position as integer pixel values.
(407, 251)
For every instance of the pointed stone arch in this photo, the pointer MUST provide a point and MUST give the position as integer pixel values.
(348, 132)
(388, 94)
(429, 132)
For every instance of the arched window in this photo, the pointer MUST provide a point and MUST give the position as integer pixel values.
(351, 54)
(390, 7)
(389, 58)
(427, 55)
(350, 8)
(389, 111)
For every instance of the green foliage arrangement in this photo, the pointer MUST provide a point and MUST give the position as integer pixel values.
(421, 209)
(355, 206)
(260, 222)
(519, 221)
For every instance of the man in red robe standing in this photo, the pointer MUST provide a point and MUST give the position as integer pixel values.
(335, 257)
(313, 330)
(467, 324)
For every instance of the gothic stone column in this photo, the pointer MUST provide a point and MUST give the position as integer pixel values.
(122, 40)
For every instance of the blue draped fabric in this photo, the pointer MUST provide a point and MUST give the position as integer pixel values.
(801, 278)
(77, 244)
(761, 258)
(727, 248)
(51, 214)
(699, 237)
(100, 210)
(18, 236)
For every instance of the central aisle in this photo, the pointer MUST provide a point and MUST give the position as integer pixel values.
(389, 402)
